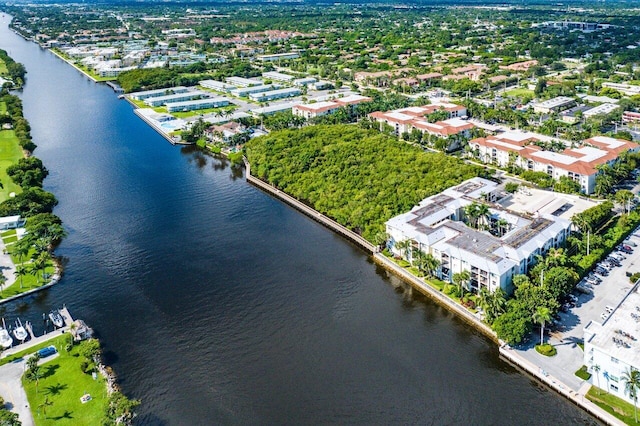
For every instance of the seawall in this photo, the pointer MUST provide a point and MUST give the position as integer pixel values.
(506, 353)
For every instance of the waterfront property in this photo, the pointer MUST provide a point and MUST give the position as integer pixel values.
(505, 243)
(578, 163)
(11, 222)
(275, 94)
(141, 96)
(613, 346)
(197, 104)
(178, 97)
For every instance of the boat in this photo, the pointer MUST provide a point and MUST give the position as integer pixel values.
(56, 318)
(5, 338)
(20, 332)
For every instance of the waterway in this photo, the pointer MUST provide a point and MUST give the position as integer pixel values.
(218, 304)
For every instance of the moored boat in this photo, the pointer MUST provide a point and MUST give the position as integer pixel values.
(20, 332)
(5, 338)
(56, 318)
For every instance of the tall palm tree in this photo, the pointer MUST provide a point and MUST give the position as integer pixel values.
(541, 316)
(459, 278)
(471, 211)
(502, 225)
(20, 272)
(431, 264)
(403, 247)
(631, 380)
(596, 370)
(624, 197)
(483, 215)
(40, 263)
(21, 248)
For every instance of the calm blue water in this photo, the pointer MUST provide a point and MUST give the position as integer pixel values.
(217, 304)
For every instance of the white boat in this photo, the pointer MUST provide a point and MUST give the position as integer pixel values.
(5, 338)
(56, 318)
(20, 332)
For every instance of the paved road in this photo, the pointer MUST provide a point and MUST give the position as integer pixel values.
(13, 393)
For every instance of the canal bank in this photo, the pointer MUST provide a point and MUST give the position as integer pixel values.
(280, 297)
(535, 371)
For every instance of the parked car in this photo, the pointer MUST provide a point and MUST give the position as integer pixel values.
(594, 277)
(584, 289)
(604, 316)
(608, 309)
(618, 255)
(601, 271)
(630, 243)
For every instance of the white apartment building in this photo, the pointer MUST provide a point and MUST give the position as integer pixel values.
(614, 346)
(552, 105)
(318, 109)
(578, 163)
(435, 226)
(625, 89)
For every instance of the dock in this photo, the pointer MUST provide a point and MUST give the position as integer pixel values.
(36, 340)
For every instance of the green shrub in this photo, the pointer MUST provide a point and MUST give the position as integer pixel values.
(546, 349)
(583, 373)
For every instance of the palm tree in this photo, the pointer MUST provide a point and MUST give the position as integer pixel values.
(502, 225)
(624, 197)
(419, 259)
(596, 370)
(541, 316)
(631, 380)
(40, 263)
(403, 246)
(460, 278)
(471, 211)
(20, 272)
(483, 215)
(555, 257)
(21, 248)
(46, 403)
(431, 264)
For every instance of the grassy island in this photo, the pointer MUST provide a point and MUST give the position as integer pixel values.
(359, 177)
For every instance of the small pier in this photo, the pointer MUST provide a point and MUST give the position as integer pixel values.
(115, 86)
(36, 340)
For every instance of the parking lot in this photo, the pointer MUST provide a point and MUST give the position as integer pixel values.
(566, 335)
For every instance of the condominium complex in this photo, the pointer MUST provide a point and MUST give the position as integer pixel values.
(318, 109)
(614, 346)
(405, 120)
(435, 226)
(578, 163)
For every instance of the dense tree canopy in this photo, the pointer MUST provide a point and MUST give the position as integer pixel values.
(360, 178)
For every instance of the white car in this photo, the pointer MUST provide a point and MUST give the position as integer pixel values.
(608, 309)
(604, 316)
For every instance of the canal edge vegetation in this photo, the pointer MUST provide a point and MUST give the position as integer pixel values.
(24, 174)
(561, 265)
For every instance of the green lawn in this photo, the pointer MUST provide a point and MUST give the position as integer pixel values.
(58, 342)
(612, 405)
(10, 153)
(519, 92)
(201, 111)
(62, 385)
(29, 281)
(3, 108)
(3, 68)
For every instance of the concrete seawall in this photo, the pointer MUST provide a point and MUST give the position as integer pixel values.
(315, 215)
(506, 353)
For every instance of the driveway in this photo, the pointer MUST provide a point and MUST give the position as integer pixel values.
(13, 393)
(566, 336)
